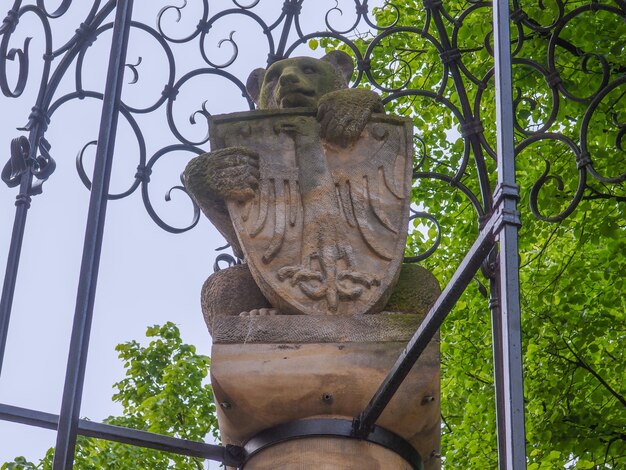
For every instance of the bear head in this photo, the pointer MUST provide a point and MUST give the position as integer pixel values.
(299, 81)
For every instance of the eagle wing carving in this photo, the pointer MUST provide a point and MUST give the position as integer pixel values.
(325, 232)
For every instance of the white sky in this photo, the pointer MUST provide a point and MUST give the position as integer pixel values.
(147, 276)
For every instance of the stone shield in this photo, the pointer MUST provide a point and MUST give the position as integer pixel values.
(326, 231)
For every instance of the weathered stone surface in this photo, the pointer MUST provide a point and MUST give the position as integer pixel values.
(314, 328)
(327, 453)
(326, 229)
(314, 190)
(258, 386)
(275, 369)
(315, 186)
(416, 290)
(299, 81)
(217, 294)
(232, 173)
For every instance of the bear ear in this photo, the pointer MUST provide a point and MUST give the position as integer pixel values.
(253, 85)
(342, 62)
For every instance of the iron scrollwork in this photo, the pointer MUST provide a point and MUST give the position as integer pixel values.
(438, 59)
(458, 84)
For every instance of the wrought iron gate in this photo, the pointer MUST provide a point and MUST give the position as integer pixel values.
(31, 164)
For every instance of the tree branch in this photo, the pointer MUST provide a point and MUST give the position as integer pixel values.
(443, 418)
(598, 195)
(599, 378)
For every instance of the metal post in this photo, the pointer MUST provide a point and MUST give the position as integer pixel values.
(507, 318)
(464, 274)
(75, 374)
(22, 204)
(290, 7)
(229, 455)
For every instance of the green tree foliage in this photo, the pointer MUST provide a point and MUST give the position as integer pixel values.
(573, 270)
(163, 392)
(572, 277)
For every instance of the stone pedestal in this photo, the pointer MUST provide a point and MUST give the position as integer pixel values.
(319, 209)
(272, 370)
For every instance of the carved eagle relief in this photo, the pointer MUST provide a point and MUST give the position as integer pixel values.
(326, 231)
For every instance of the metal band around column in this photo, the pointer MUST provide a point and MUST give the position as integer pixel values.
(330, 427)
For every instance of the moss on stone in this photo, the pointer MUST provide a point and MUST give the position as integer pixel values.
(416, 290)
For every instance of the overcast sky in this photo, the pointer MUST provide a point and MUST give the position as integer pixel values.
(147, 276)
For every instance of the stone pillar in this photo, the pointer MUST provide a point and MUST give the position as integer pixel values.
(317, 201)
(271, 370)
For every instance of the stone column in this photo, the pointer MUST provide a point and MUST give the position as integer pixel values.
(317, 201)
(271, 370)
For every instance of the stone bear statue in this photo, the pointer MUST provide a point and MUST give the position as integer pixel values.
(233, 173)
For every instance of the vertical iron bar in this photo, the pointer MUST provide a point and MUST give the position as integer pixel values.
(22, 204)
(508, 347)
(77, 358)
(459, 85)
(494, 307)
(290, 7)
